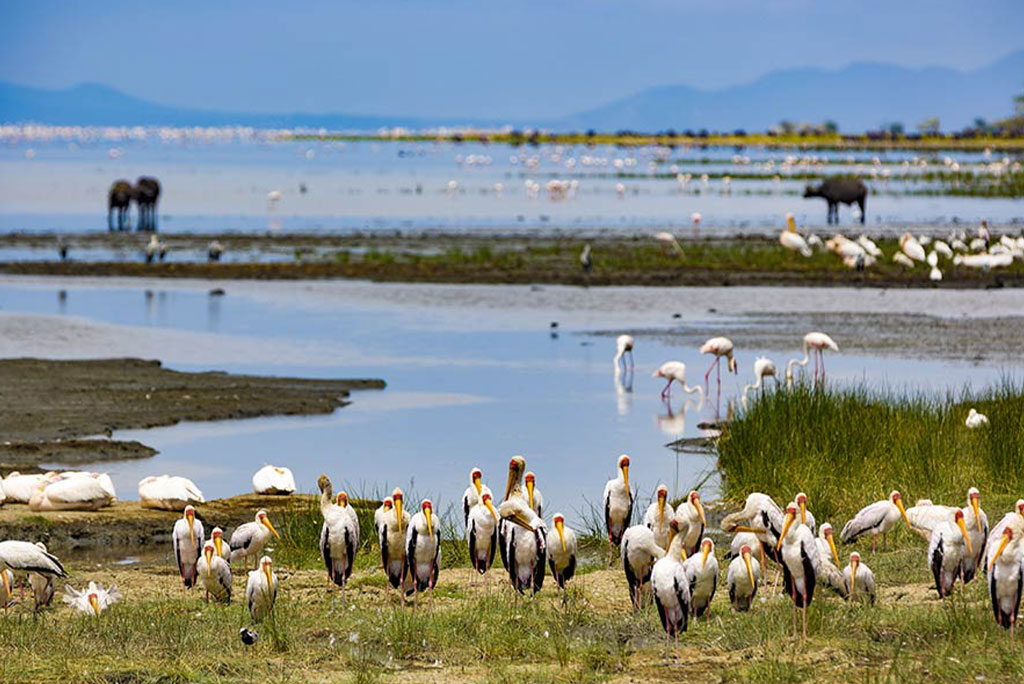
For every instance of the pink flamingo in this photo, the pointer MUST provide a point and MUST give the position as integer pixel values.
(719, 346)
(818, 342)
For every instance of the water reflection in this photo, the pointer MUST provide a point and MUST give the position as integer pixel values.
(673, 423)
(623, 390)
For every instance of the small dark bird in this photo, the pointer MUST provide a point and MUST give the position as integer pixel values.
(214, 251)
(302, 188)
(248, 636)
(62, 249)
(554, 324)
(585, 261)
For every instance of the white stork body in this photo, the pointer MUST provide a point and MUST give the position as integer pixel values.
(671, 588)
(339, 534)
(423, 550)
(675, 371)
(1006, 578)
(168, 493)
(561, 551)
(249, 539)
(829, 573)
(380, 515)
(764, 518)
(273, 480)
(1013, 520)
(482, 533)
(214, 574)
(261, 589)
(618, 502)
(742, 578)
(877, 518)
(658, 517)
(690, 517)
(92, 600)
(800, 564)
(526, 539)
(860, 581)
(513, 490)
(394, 525)
(949, 544)
(639, 552)
(816, 342)
(702, 573)
(22, 556)
(475, 490)
(187, 538)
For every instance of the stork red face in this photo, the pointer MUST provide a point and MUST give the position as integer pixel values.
(695, 500)
(974, 497)
(791, 514)
(958, 518)
(388, 504)
(707, 546)
(559, 522)
(428, 509)
(342, 499)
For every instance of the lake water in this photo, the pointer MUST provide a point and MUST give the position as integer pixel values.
(475, 374)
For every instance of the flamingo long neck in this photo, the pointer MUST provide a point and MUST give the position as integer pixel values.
(618, 356)
(801, 362)
(691, 390)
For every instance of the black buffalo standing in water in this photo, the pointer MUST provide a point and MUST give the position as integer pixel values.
(836, 190)
(119, 198)
(146, 194)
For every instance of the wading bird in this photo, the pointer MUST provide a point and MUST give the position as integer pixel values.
(742, 577)
(618, 502)
(378, 515)
(695, 218)
(763, 368)
(876, 519)
(669, 244)
(168, 493)
(659, 515)
(623, 346)
(910, 246)
(18, 488)
(859, 579)
(817, 342)
(671, 589)
(339, 534)
(800, 564)
(946, 551)
(261, 589)
(93, 599)
(792, 240)
(482, 533)
(187, 539)
(513, 490)
(586, 263)
(273, 480)
(394, 524)
(561, 550)
(214, 574)
(423, 551)
(250, 538)
(214, 251)
(975, 420)
(719, 347)
(76, 491)
(471, 497)
(702, 573)
(1005, 578)
(1014, 520)
(675, 371)
(526, 537)
(690, 516)
(639, 552)
(762, 517)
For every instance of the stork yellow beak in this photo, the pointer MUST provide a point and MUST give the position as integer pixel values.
(217, 543)
(7, 586)
(398, 511)
(977, 511)
(963, 530)
(832, 545)
(750, 570)
(191, 518)
(430, 528)
(661, 510)
(529, 492)
(999, 552)
(671, 535)
(511, 482)
(95, 605)
(208, 552)
(625, 476)
(270, 526)
(853, 574)
(270, 578)
(903, 512)
(704, 559)
(803, 512)
(521, 520)
(682, 554)
(490, 507)
(785, 529)
(744, 528)
(791, 224)
(560, 526)
(700, 511)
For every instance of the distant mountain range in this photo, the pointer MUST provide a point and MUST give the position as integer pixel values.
(858, 97)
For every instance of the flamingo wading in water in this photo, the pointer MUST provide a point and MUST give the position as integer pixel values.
(817, 342)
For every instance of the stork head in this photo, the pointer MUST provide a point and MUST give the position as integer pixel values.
(428, 511)
(707, 547)
(388, 503)
(342, 499)
(801, 501)
(531, 484)
(826, 532)
(396, 497)
(1003, 543)
(958, 518)
(694, 498)
(516, 468)
(623, 464)
(559, 522)
(854, 562)
(745, 555)
(662, 497)
(190, 518)
(208, 549)
(267, 566)
(218, 540)
(897, 501)
(262, 519)
(486, 501)
(475, 477)
(974, 500)
(791, 513)
(94, 601)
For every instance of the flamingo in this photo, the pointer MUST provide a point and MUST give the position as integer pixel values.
(675, 371)
(623, 346)
(696, 217)
(763, 368)
(719, 346)
(819, 342)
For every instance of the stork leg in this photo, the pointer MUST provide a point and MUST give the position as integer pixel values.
(794, 609)
(874, 543)
(764, 567)
(803, 611)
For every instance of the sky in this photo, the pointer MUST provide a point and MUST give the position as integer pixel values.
(480, 58)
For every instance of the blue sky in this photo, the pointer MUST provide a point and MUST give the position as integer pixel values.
(473, 57)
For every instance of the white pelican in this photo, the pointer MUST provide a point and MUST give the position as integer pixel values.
(423, 550)
(18, 488)
(975, 419)
(859, 579)
(394, 524)
(623, 346)
(473, 493)
(74, 492)
(800, 564)
(691, 519)
(702, 573)
(42, 585)
(482, 533)
(561, 550)
(250, 538)
(22, 556)
(869, 245)
(829, 572)
(946, 551)
(214, 574)
(761, 516)
(806, 517)
(261, 589)
(618, 502)
(273, 480)
(818, 342)
(168, 493)
(742, 577)
(659, 515)
(513, 489)
(942, 248)
(339, 534)
(533, 495)
(903, 260)
(675, 371)
(223, 550)
(93, 599)
(910, 246)
(1005, 578)
(639, 552)
(763, 368)
(719, 347)
(792, 240)
(671, 588)
(876, 519)
(187, 538)
(526, 537)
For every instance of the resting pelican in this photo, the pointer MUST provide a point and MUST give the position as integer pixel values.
(42, 585)
(214, 574)
(877, 518)
(339, 534)
(829, 572)
(261, 589)
(187, 538)
(623, 346)
(639, 552)
(800, 563)
(394, 523)
(74, 492)
(513, 490)
(658, 516)
(792, 240)
(702, 573)
(223, 550)
(473, 493)
(946, 551)
(482, 533)
(910, 246)
(761, 516)
(618, 502)
(561, 550)
(975, 420)
(93, 599)
(1005, 572)
(423, 551)
(273, 480)
(719, 347)
(168, 493)
(526, 538)
(22, 556)
(675, 371)
(742, 577)
(817, 342)
(250, 538)
(18, 488)
(533, 495)
(671, 588)
(690, 516)
(859, 579)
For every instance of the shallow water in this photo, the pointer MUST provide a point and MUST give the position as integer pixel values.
(475, 374)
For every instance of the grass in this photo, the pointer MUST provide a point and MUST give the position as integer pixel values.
(846, 448)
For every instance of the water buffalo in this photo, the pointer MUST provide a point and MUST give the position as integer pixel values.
(119, 198)
(146, 193)
(836, 190)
